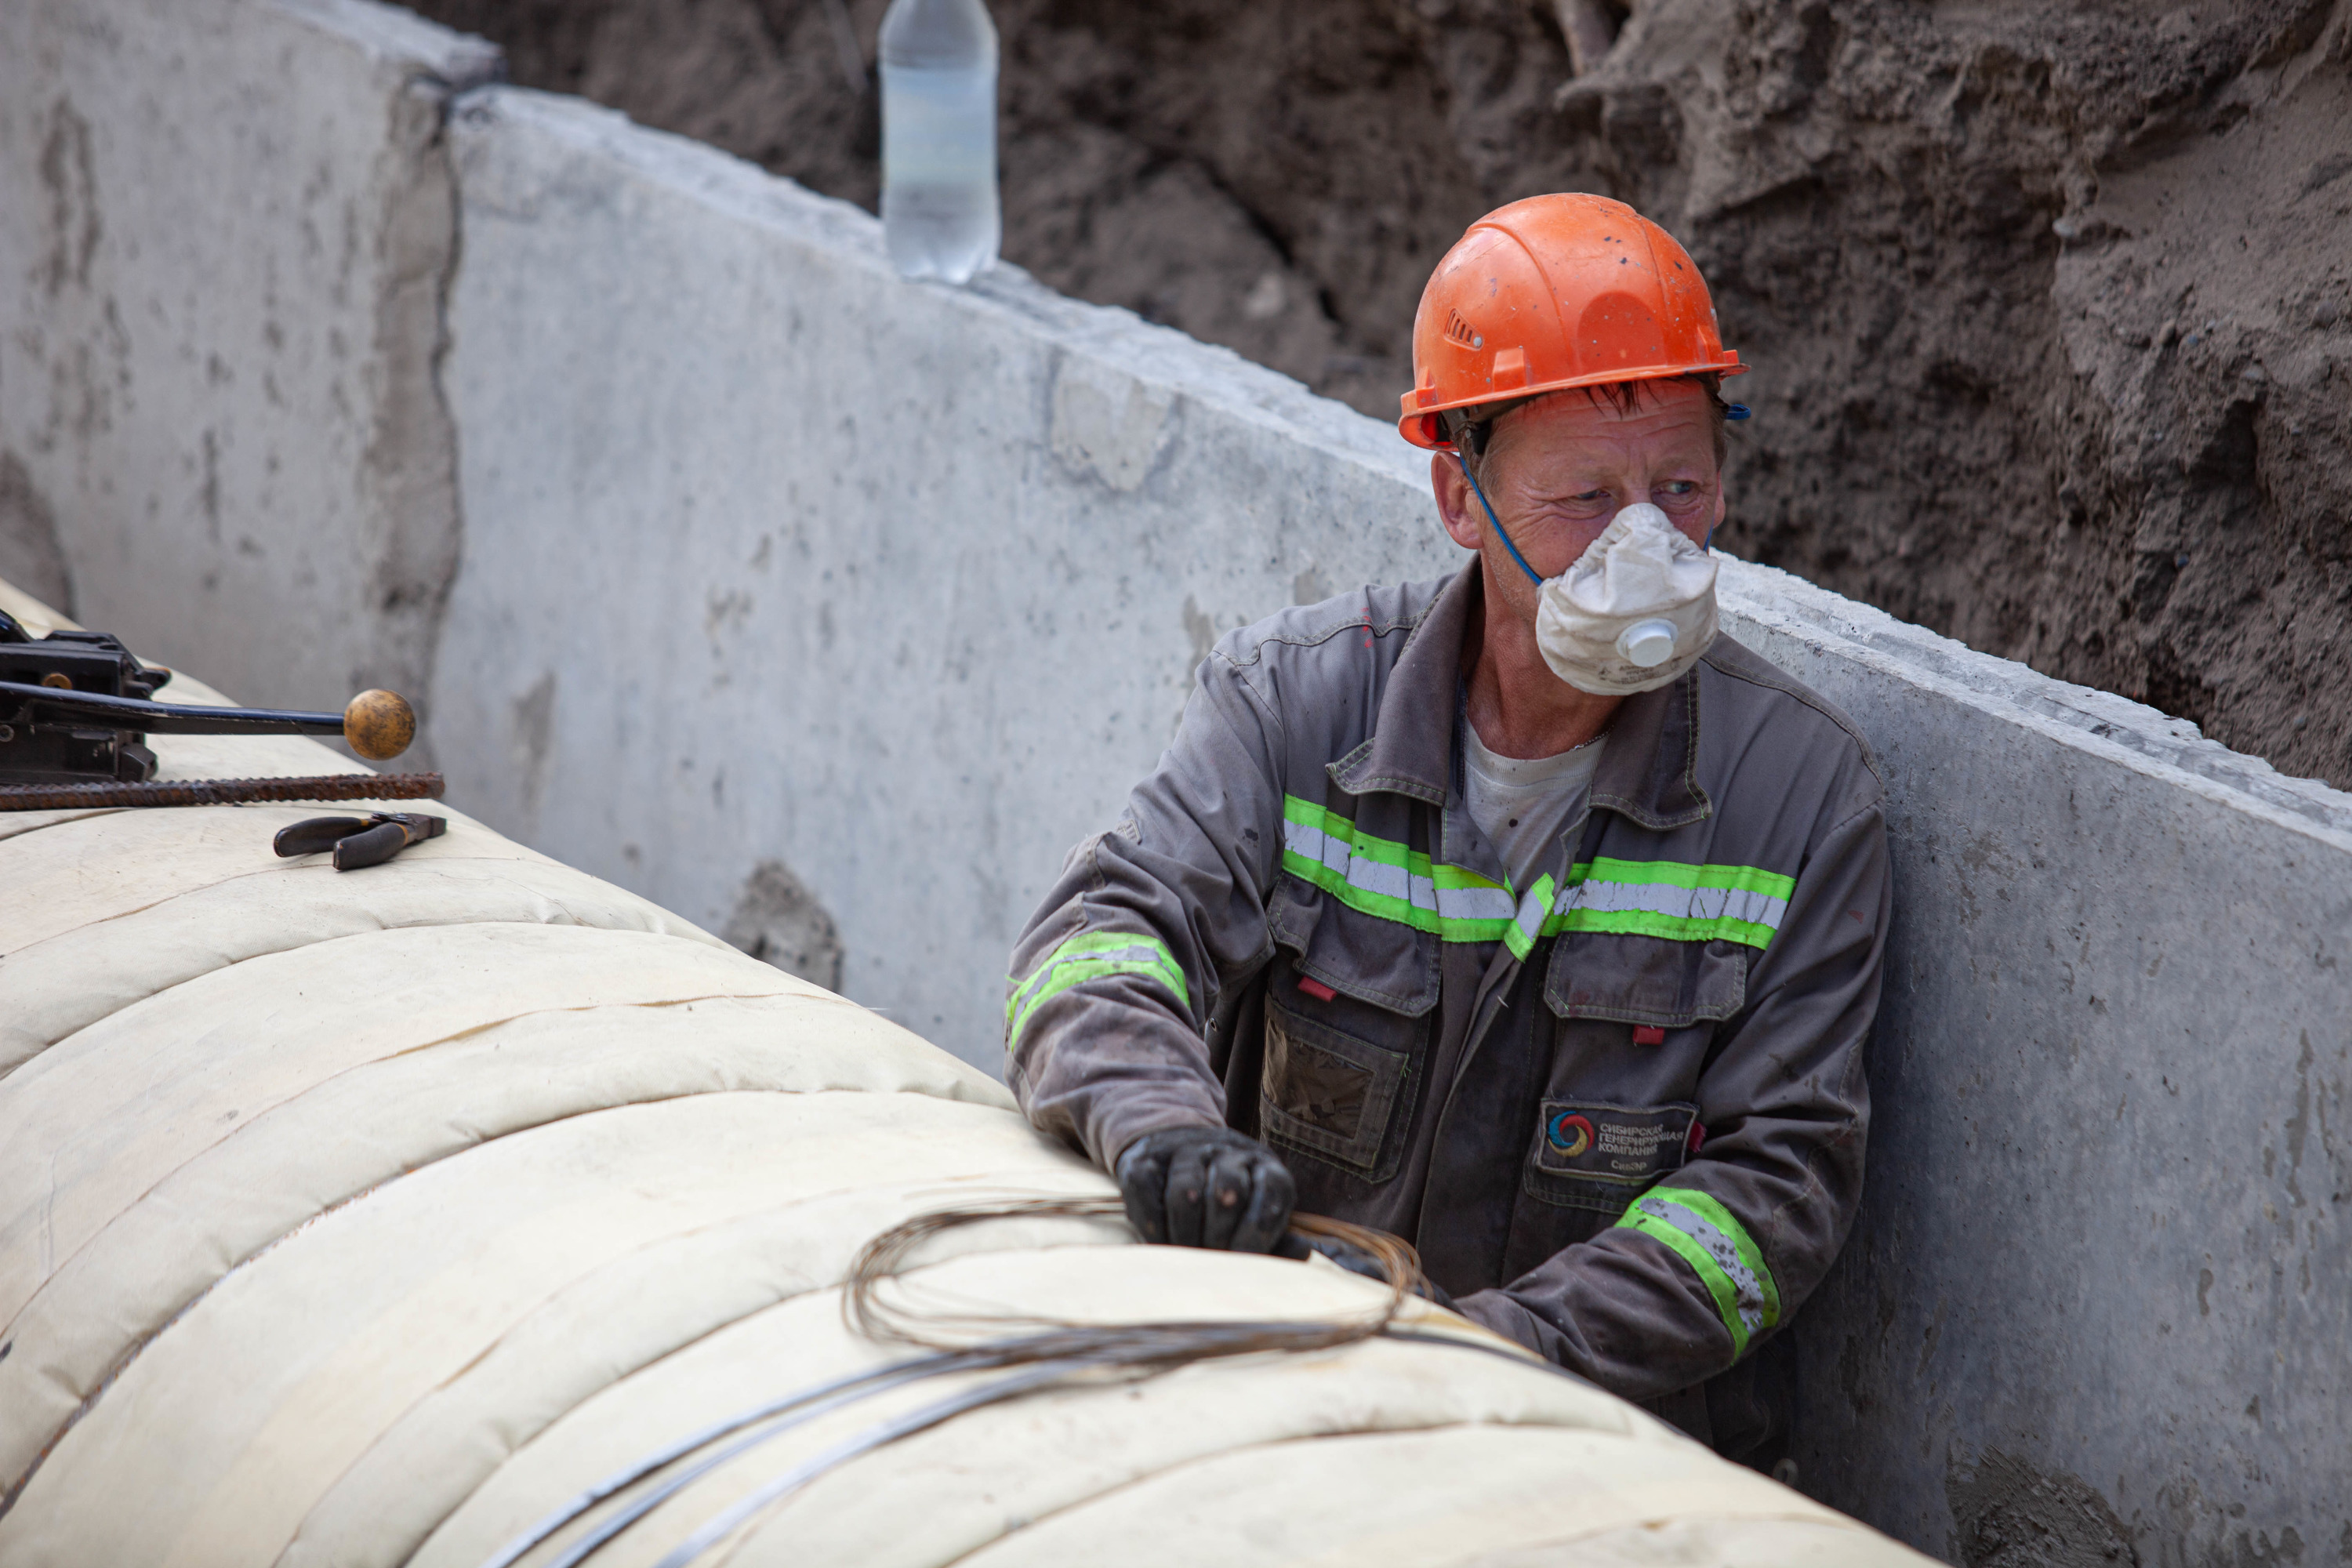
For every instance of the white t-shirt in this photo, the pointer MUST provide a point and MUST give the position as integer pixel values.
(1523, 804)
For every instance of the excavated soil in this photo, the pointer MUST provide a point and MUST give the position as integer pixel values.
(2049, 304)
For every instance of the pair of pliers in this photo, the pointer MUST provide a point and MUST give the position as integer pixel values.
(359, 841)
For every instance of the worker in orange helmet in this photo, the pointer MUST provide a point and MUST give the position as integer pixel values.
(1522, 914)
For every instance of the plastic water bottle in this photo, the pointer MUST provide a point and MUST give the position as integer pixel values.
(939, 211)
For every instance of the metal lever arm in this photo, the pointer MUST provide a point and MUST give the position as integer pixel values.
(48, 705)
(378, 724)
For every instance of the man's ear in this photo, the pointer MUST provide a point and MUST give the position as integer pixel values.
(1456, 507)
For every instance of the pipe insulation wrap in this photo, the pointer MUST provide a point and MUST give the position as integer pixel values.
(364, 1218)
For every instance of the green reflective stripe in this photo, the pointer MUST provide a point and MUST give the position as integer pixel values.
(1090, 956)
(1520, 935)
(1703, 1233)
(1718, 1284)
(1474, 911)
(1352, 892)
(1642, 922)
(1381, 878)
(1751, 1257)
(1673, 900)
(1365, 846)
(1682, 874)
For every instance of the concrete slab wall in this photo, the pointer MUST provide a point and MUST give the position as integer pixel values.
(901, 585)
(225, 230)
(769, 556)
(2095, 1308)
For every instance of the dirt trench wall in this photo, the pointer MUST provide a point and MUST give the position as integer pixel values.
(2050, 305)
(2052, 308)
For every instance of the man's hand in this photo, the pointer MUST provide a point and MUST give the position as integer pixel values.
(1205, 1187)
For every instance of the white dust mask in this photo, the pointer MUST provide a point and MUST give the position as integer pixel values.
(1633, 612)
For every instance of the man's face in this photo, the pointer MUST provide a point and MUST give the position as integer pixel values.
(1559, 469)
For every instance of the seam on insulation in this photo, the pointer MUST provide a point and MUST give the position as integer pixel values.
(1024, 1181)
(150, 1190)
(1437, 1423)
(137, 1346)
(362, 935)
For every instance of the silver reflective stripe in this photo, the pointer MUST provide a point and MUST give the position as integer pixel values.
(1475, 903)
(1677, 903)
(1317, 845)
(1530, 916)
(1747, 1290)
(1092, 956)
(1372, 876)
(1527, 926)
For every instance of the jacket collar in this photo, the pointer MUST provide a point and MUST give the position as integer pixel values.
(1648, 772)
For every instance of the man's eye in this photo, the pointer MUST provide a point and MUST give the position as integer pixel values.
(1591, 496)
(1679, 487)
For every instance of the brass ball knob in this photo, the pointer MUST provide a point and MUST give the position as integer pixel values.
(379, 724)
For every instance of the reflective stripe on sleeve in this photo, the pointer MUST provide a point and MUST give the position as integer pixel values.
(1703, 1233)
(1089, 955)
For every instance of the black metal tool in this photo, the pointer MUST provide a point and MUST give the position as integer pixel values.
(359, 841)
(78, 705)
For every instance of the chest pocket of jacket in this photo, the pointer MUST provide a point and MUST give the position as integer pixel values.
(1348, 1003)
(1646, 980)
(1637, 1018)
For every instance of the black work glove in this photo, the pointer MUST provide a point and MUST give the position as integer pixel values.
(1205, 1187)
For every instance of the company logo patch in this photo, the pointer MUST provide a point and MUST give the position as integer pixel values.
(1633, 1144)
(1569, 1134)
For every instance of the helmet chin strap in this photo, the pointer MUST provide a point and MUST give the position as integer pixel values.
(1498, 522)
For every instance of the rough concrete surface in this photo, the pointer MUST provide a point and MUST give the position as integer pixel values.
(2098, 1272)
(777, 920)
(2006, 1514)
(31, 555)
(2049, 304)
(899, 586)
(228, 229)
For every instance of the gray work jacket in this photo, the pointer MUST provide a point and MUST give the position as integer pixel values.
(1621, 1111)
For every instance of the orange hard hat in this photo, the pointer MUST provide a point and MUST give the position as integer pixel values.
(1551, 292)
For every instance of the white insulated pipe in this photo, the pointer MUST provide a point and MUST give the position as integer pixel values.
(362, 1218)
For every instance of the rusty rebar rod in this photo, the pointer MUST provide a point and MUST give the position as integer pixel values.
(221, 792)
